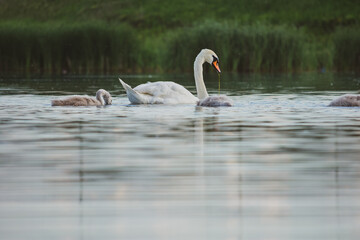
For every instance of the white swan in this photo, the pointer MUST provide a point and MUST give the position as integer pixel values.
(158, 93)
(346, 101)
(173, 93)
(102, 98)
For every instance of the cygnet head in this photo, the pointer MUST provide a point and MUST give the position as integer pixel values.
(211, 57)
(108, 99)
(106, 96)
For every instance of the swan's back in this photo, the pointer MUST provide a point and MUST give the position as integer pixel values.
(216, 101)
(346, 101)
(166, 92)
(76, 101)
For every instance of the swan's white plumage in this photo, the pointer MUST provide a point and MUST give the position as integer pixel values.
(346, 101)
(167, 92)
(159, 93)
(173, 93)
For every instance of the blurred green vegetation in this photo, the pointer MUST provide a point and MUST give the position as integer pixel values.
(255, 48)
(66, 47)
(347, 49)
(319, 15)
(93, 36)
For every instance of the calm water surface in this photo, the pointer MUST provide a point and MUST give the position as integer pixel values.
(280, 164)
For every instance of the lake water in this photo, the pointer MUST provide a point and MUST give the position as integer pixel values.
(280, 164)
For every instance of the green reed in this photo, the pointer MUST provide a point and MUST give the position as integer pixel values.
(93, 47)
(347, 49)
(97, 47)
(251, 48)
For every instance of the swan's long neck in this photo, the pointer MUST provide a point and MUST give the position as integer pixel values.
(199, 80)
(100, 97)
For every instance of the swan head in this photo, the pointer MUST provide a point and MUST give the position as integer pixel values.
(211, 58)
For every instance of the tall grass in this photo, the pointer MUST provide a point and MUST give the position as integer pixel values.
(97, 47)
(347, 49)
(93, 47)
(240, 48)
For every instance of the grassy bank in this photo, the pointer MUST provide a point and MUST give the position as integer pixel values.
(318, 16)
(105, 36)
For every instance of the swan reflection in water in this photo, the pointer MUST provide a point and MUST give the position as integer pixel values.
(173, 93)
(103, 97)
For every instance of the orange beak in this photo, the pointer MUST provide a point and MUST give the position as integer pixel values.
(216, 66)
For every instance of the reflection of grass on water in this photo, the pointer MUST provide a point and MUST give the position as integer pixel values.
(58, 47)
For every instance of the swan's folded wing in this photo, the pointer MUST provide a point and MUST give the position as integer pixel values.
(167, 92)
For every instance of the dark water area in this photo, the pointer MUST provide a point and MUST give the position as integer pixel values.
(280, 164)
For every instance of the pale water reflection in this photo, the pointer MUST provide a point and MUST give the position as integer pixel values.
(278, 165)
